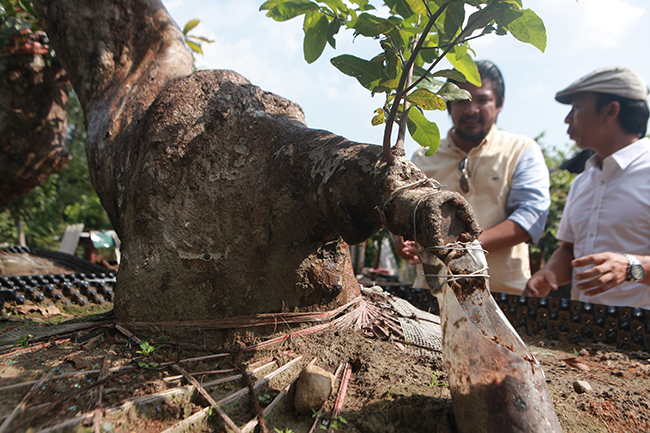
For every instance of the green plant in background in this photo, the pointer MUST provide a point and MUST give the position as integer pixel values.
(194, 42)
(434, 381)
(146, 349)
(414, 36)
(24, 340)
(559, 187)
(17, 22)
(335, 423)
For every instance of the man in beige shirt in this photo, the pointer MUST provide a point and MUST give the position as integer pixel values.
(503, 176)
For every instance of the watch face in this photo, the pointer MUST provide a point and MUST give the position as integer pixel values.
(636, 272)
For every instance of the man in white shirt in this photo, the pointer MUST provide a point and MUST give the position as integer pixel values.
(605, 227)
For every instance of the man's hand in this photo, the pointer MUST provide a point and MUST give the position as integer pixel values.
(408, 250)
(609, 270)
(541, 284)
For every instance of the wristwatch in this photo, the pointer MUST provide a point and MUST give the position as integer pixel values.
(634, 268)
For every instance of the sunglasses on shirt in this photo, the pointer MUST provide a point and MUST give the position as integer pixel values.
(464, 177)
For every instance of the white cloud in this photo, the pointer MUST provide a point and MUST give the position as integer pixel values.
(598, 25)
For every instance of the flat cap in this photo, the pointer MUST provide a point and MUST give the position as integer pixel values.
(615, 81)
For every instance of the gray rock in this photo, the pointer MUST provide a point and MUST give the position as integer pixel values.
(581, 386)
(313, 388)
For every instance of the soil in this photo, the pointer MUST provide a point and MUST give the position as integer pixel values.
(389, 390)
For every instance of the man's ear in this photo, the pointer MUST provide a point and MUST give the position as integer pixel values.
(611, 110)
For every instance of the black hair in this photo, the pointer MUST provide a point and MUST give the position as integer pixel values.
(489, 71)
(633, 116)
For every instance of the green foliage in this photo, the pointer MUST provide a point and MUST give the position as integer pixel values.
(414, 36)
(434, 381)
(17, 20)
(146, 349)
(194, 42)
(560, 183)
(24, 340)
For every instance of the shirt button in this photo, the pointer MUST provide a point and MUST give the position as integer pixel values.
(602, 182)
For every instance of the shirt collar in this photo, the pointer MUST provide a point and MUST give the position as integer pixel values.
(623, 157)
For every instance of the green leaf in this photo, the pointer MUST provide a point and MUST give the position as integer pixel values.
(466, 66)
(368, 25)
(450, 74)
(190, 25)
(194, 46)
(528, 28)
(332, 29)
(427, 100)
(400, 7)
(451, 92)
(336, 5)
(367, 73)
(315, 27)
(379, 118)
(454, 18)
(429, 82)
(283, 10)
(425, 133)
(417, 6)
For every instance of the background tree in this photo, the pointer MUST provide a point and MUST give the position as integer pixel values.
(33, 96)
(38, 217)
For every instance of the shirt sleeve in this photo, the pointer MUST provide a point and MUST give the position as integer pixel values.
(565, 229)
(530, 199)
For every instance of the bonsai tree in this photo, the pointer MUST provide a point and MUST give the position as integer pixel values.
(225, 202)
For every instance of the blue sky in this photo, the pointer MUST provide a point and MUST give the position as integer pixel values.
(582, 36)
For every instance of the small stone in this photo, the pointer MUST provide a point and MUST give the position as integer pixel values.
(583, 352)
(313, 388)
(581, 386)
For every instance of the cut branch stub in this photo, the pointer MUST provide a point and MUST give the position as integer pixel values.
(432, 217)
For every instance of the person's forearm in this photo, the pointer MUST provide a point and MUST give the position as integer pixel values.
(560, 263)
(504, 235)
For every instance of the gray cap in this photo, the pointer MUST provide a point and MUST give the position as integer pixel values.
(615, 81)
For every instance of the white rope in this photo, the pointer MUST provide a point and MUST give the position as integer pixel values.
(459, 246)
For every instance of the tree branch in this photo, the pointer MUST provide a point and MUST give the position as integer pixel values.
(406, 74)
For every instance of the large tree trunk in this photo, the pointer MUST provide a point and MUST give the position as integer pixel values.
(225, 202)
(33, 121)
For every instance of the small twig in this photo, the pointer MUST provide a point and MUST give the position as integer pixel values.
(64, 375)
(97, 417)
(251, 390)
(235, 395)
(235, 377)
(208, 397)
(324, 406)
(253, 423)
(21, 406)
(32, 348)
(340, 398)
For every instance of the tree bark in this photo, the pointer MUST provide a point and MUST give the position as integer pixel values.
(225, 201)
(33, 122)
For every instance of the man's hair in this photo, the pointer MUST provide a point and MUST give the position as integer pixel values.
(489, 71)
(633, 116)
